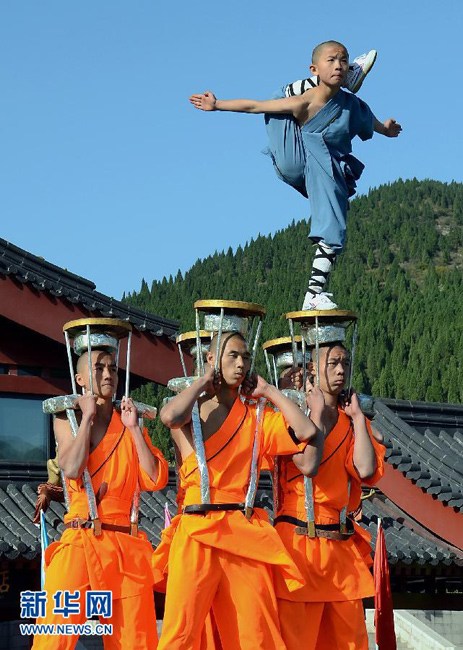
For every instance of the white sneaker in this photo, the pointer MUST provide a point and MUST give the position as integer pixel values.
(359, 69)
(318, 302)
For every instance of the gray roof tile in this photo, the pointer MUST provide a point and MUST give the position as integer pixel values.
(423, 441)
(19, 537)
(44, 276)
(404, 541)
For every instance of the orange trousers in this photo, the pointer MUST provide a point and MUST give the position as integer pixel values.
(210, 638)
(323, 626)
(239, 591)
(133, 618)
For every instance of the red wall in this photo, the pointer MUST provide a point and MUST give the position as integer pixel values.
(31, 334)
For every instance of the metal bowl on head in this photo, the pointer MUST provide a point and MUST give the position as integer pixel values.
(104, 333)
(281, 350)
(97, 333)
(229, 315)
(189, 342)
(223, 316)
(233, 306)
(322, 327)
(281, 354)
(326, 316)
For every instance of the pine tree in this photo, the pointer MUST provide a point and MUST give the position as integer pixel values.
(401, 271)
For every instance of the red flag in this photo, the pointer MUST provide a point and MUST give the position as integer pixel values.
(384, 609)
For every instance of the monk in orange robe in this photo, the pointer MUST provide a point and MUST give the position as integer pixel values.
(121, 460)
(220, 559)
(327, 612)
(210, 639)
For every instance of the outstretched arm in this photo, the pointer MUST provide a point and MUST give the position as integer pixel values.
(208, 102)
(390, 128)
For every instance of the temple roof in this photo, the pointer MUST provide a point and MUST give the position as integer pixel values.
(424, 441)
(43, 276)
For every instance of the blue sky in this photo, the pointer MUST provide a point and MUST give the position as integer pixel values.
(106, 169)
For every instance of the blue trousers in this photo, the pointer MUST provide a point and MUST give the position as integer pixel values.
(302, 159)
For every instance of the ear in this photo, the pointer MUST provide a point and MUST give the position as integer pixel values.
(311, 368)
(313, 69)
(79, 379)
(210, 358)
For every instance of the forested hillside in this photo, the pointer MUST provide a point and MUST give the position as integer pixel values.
(401, 272)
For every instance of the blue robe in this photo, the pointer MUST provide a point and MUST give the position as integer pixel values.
(316, 160)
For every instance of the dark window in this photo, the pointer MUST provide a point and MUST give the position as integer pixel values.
(29, 371)
(24, 429)
(59, 373)
(4, 369)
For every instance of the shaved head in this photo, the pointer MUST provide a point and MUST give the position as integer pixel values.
(82, 361)
(325, 349)
(321, 46)
(226, 336)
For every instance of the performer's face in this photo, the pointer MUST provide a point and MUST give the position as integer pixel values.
(235, 361)
(104, 373)
(332, 65)
(334, 369)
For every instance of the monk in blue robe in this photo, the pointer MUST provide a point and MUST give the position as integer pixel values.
(310, 144)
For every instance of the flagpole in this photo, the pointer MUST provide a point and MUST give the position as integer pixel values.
(43, 543)
(377, 534)
(167, 516)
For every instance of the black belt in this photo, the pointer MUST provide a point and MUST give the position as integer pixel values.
(85, 523)
(202, 508)
(329, 531)
(298, 522)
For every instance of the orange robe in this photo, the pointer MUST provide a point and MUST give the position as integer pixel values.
(210, 639)
(221, 560)
(114, 561)
(327, 612)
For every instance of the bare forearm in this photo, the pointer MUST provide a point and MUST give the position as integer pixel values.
(284, 105)
(316, 415)
(379, 127)
(177, 412)
(303, 427)
(146, 459)
(309, 460)
(390, 128)
(207, 101)
(239, 105)
(364, 453)
(73, 456)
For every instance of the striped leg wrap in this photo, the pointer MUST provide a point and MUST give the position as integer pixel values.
(321, 267)
(300, 86)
